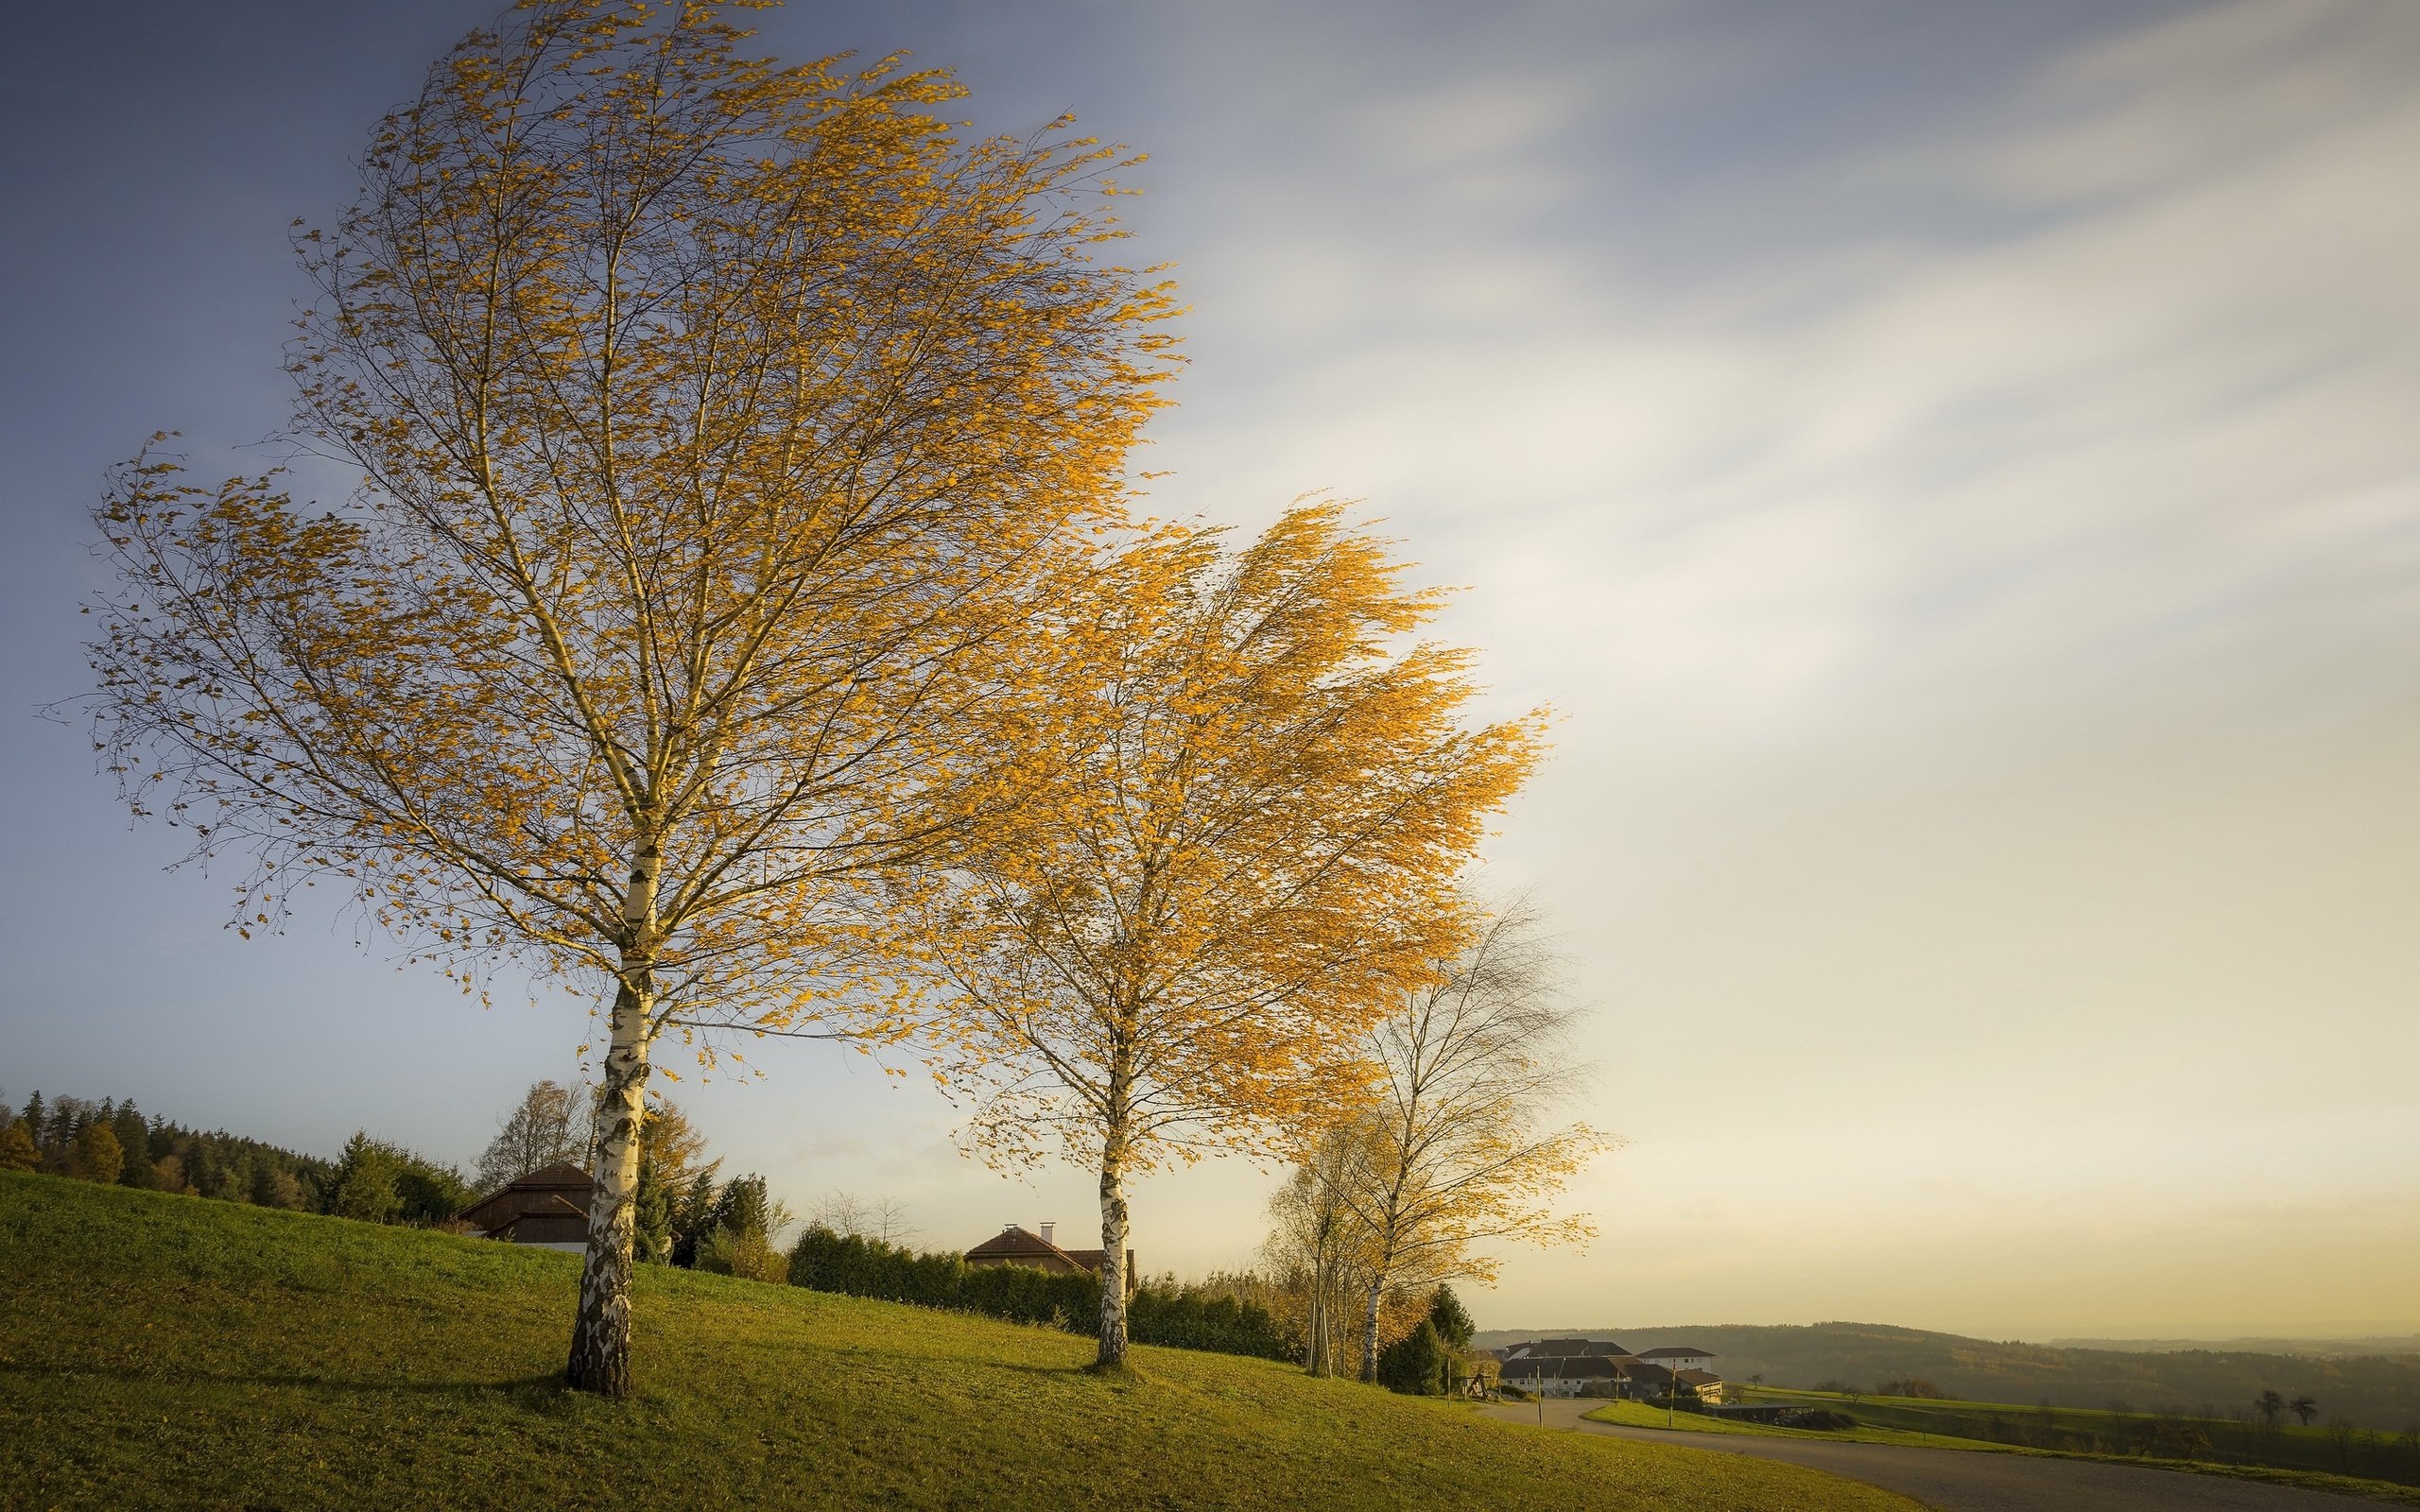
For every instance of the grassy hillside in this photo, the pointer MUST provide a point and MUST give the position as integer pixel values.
(2369, 1392)
(165, 1351)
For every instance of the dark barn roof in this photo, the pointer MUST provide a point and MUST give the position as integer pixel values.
(551, 1192)
(1583, 1367)
(1565, 1349)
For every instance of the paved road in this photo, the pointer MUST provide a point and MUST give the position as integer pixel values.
(1957, 1480)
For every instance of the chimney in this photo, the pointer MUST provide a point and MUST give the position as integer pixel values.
(1045, 1232)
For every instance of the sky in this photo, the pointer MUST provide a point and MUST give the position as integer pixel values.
(1952, 469)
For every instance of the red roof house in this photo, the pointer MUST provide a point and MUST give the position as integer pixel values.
(1013, 1245)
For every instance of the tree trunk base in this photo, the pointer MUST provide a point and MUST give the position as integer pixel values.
(611, 1381)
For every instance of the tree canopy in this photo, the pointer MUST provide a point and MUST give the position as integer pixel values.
(1251, 795)
(709, 414)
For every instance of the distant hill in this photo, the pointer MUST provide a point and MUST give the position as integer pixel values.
(2322, 1349)
(2379, 1391)
(164, 1351)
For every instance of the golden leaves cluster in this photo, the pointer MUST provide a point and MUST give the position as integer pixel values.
(1247, 804)
(712, 416)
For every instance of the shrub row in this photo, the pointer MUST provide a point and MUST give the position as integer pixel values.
(1182, 1317)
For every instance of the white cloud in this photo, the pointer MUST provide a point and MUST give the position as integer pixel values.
(1986, 632)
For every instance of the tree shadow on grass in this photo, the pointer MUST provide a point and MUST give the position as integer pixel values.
(533, 1390)
(1088, 1370)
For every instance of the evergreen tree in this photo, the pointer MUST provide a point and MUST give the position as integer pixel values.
(743, 1208)
(365, 1182)
(17, 1152)
(134, 1139)
(1417, 1363)
(202, 1166)
(166, 1156)
(693, 1215)
(654, 1238)
(60, 1131)
(1453, 1322)
(738, 1239)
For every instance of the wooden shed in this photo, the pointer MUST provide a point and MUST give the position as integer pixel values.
(547, 1207)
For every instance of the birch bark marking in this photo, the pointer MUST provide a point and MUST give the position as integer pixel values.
(600, 1341)
(1113, 1255)
(1114, 1132)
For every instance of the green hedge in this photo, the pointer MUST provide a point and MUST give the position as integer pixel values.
(1183, 1317)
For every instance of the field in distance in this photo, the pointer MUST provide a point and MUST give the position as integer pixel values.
(164, 1351)
(2287, 1454)
(2379, 1393)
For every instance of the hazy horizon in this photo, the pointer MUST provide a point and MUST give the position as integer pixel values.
(2354, 1335)
(1952, 469)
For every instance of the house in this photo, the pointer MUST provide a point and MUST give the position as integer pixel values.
(1552, 1375)
(1587, 1375)
(1565, 1367)
(1707, 1385)
(1594, 1375)
(547, 1207)
(1013, 1245)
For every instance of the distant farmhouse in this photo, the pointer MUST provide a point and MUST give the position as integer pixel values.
(1013, 1245)
(1600, 1367)
(547, 1207)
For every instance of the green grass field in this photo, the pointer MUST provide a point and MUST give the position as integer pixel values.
(165, 1351)
(2287, 1446)
(1639, 1415)
(2001, 1427)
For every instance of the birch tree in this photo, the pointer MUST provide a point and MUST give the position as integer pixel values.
(1459, 1150)
(1247, 810)
(1319, 1241)
(710, 417)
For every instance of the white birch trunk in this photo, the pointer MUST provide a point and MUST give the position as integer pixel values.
(1370, 1332)
(1113, 1259)
(600, 1340)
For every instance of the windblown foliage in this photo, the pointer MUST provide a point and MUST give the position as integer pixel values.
(1248, 817)
(711, 416)
(1460, 1151)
